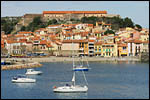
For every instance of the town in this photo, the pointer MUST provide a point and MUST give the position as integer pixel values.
(75, 50)
(82, 39)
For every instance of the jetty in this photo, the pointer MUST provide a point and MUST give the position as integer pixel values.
(21, 66)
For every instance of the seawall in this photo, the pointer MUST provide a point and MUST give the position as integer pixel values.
(21, 66)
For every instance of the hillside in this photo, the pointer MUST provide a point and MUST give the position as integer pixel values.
(8, 24)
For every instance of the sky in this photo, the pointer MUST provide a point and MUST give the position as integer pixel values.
(138, 11)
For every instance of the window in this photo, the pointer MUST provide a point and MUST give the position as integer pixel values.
(99, 50)
(96, 50)
(106, 50)
(124, 48)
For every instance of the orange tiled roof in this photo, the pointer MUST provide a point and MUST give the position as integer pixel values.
(134, 41)
(122, 45)
(146, 41)
(19, 35)
(75, 12)
(36, 38)
(107, 24)
(11, 41)
(49, 45)
(23, 40)
(29, 43)
(43, 42)
(74, 41)
(24, 32)
(2, 43)
(90, 25)
(91, 40)
(53, 25)
(98, 43)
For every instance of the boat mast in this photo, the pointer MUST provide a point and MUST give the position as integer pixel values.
(73, 79)
(85, 77)
(73, 54)
(87, 63)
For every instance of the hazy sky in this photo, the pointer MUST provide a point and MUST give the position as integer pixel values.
(138, 11)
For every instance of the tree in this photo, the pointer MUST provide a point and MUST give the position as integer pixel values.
(23, 28)
(84, 19)
(37, 20)
(109, 32)
(138, 27)
(128, 22)
(53, 21)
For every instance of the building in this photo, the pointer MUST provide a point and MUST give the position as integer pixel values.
(122, 49)
(98, 48)
(66, 15)
(134, 47)
(69, 47)
(109, 50)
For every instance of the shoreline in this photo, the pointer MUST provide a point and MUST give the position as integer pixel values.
(69, 59)
(21, 63)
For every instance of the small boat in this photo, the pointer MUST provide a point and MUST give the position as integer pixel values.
(2, 62)
(33, 72)
(23, 79)
(80, 67)
(71, 88)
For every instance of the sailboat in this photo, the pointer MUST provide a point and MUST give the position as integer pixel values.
(71, 88)
(81, 67)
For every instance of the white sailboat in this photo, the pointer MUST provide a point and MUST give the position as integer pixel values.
(81, 67)
(71, 88)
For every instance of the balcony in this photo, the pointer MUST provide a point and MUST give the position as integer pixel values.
(81, 49)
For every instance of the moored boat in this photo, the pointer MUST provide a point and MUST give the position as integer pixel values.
(22, 79)
(33, 72)
(71, 88)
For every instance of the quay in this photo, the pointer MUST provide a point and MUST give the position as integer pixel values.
(21, 66)
(68, 59)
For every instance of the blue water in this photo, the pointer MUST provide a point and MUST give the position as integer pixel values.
(105, 81)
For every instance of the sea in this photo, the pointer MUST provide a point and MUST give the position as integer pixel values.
(121, 80)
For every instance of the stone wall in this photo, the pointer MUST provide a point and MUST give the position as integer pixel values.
(27, 18)
(145, 57)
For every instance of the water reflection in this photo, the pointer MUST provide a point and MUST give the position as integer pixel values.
(25, 85)
(71, 95)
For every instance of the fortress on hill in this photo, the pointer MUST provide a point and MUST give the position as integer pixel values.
(59, 15)
(65, 15)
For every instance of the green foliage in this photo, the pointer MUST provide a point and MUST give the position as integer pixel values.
(90, 20)
(109, 32)
(51, 22)
(138, 27)
(23, 28)
(34, 25)
(128, 22)
(8, 25)
(37, 21)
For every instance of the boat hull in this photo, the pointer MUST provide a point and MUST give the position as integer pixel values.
(2, 63)
(70, 89)
(24, 81)
(33, 73)
(80, 69)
